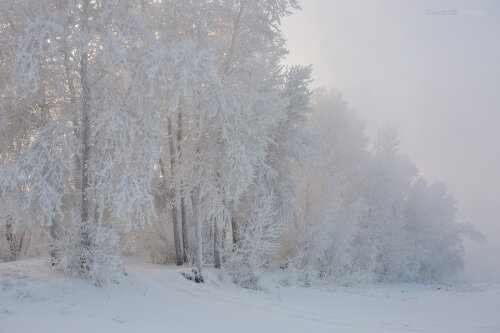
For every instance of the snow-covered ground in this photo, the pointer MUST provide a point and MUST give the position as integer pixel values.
(157, 298)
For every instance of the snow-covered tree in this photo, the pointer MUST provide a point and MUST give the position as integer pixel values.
(436, 239)
(77, 55)
(174, 126)
(321, 244)
(365, 217)
(270, 201)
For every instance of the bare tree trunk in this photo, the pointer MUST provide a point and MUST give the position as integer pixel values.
(217, 246)
(306, 213)
(217, 233)
(54, 234)
(20, 245)
(184, 218)
(235, 230)
(184, 225)
(227, 70)
(234, 36)
(199, 236)
(73, 99)
(179, 251)
(86, 215)
(9, 235)
(224, 238)
(14, 247)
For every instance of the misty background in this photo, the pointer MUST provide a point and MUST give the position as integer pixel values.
(432, 69)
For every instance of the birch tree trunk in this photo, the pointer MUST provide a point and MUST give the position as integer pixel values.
(227, 71)
(86, 227)
(54, 258)
(235, 230)
(14, 247)
(234, 36)
(199, 236)
(73, 99)
(184, 221)
(176, 219)
(9, 236)
(217, 246)
(306, 210)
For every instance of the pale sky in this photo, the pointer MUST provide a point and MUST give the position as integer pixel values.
(435, 75)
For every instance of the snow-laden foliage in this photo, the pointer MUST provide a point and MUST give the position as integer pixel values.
(98, 137)
(437, 250)
(367, 217)
(172, 127)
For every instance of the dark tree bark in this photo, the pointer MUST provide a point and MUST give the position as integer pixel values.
(184, 218)
(54, 234)
(86, 229)
(199, 236)
(179, 251)
(235, 228)
(15, 243)
(217, 247)
(9, 235)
